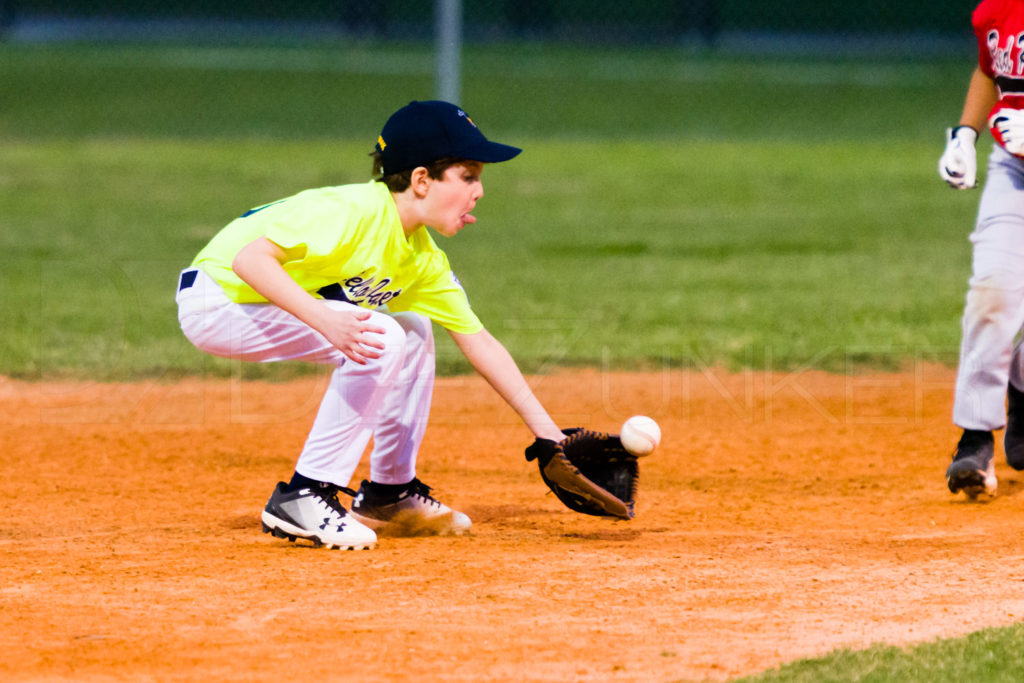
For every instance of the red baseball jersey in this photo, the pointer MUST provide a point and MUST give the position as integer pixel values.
(999, 28)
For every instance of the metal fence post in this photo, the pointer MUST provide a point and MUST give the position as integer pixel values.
(448, 82)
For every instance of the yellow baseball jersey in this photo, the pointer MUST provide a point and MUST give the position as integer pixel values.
(346, 243)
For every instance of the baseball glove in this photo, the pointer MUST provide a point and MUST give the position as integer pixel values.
(589, 471)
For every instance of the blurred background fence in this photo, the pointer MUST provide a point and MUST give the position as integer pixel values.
(728, 24)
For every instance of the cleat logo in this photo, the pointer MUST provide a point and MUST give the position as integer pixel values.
(327, 523)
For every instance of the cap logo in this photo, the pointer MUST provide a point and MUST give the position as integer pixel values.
(381, 143)
(466, 116)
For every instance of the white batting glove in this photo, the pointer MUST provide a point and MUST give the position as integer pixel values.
(958, 165)
(1010, 125)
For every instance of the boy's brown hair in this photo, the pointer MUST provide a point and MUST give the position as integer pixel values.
(399, 182)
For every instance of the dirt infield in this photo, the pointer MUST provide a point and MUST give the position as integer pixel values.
(785, 515)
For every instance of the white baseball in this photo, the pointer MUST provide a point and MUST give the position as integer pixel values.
(640, 435)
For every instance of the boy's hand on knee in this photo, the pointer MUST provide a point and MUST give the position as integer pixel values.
(353, 336)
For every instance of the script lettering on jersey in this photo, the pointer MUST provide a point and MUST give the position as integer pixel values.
(1007, 55)
(360, 290)
(1002, 57)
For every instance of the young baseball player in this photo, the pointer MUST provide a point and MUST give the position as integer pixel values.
(991, 368)
(350, 276)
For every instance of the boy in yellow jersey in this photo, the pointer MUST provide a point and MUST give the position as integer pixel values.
(349, 276)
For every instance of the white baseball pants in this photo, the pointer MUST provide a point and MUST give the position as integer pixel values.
(388, 398)
(994, 312)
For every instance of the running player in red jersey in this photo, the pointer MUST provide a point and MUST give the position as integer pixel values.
(990, 376)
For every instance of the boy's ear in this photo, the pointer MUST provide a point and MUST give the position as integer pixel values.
(419, 181)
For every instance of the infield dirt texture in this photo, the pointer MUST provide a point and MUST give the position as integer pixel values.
(784, 516)
(654, 219)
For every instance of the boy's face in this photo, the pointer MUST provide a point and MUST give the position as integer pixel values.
(450, 200)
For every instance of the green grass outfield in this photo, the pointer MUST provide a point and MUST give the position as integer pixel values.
(671, 208)
(633, 253)
(988, 656)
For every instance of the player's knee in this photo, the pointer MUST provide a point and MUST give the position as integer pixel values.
(417, 328)
(393, 336)
(392, 356)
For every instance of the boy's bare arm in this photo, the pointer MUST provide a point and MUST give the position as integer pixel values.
(982, 95)
(259, 264)
(494, 363)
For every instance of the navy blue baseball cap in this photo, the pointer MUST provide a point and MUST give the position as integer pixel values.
(423, 132)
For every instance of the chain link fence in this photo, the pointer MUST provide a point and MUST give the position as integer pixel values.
(718, 24)
(191, 68)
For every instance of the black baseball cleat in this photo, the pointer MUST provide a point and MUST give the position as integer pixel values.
(1013, 439)
(315, 514)
(972, 470)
